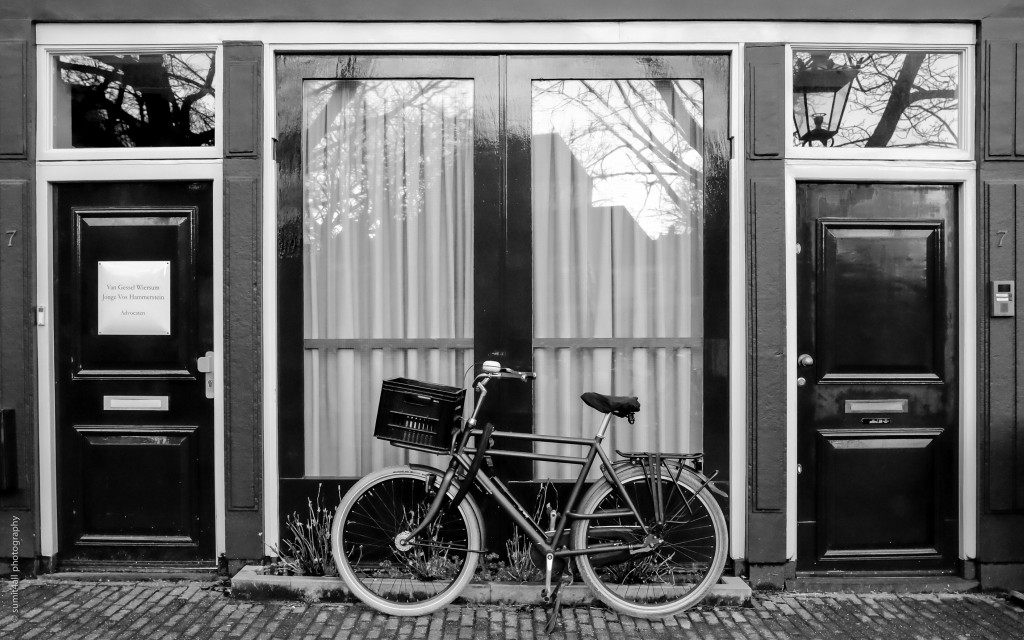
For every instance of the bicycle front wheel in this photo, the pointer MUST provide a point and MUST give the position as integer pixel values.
(688, 543)
(394, 575)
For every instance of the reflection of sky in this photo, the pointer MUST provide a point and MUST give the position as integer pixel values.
(636, 149)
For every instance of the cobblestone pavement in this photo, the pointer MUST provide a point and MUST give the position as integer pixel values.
(48, 609)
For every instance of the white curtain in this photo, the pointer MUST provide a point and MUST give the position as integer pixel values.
(388, 194)
(617, 208)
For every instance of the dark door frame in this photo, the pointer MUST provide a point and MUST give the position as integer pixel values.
(969, 306)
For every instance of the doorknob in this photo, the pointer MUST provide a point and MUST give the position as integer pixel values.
(805, 360)
(205, 366)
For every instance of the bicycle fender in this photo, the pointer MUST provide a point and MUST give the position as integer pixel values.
(426, 467)
(458, 488)
(440, 474)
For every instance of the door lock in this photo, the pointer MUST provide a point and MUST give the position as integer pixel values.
(205, 365)
(805, 360)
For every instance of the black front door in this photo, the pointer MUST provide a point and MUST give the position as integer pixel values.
(133, 291)
(877, 367)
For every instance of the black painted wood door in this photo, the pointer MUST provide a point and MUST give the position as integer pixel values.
(877, 367)
(133, 292)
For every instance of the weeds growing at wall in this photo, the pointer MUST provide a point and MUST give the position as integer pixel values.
(305, 548)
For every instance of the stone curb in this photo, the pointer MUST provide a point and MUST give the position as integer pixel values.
(250, 584)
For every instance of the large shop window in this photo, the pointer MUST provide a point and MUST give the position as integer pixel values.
(435, 212)
(617, 232)
(387, 177)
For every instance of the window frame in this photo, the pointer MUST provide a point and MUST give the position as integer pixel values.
(503, 240)
(292, 70)
(714, 72)
(966, 134)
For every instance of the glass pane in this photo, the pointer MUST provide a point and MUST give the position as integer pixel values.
(618, 192)
(388, 286)
(897, 99)
(134, 100)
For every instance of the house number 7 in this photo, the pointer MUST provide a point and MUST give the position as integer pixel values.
(1001, 234)
(10, 237)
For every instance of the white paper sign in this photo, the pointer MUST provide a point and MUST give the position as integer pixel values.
(134, 298)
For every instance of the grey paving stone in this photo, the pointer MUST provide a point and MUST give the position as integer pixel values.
(152, 610)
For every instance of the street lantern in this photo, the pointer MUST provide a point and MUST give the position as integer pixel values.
(820, 91)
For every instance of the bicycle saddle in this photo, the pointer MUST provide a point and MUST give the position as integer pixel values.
(621, 406)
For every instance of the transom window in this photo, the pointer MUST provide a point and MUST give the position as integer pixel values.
(878, 103)
(134, 100)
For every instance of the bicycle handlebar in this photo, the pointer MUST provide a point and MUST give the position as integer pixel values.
(493, 369)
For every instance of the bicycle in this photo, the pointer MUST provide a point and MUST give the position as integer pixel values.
(647, 537)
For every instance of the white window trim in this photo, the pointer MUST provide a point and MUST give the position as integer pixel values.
(963, 174)
(45, 106)
(513, 36)
(966, 104)
(47, 176)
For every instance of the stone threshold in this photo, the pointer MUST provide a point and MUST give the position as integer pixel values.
(250, 584)
(881, 584)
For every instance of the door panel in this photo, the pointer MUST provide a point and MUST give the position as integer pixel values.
(134, 423)
(130, 235)
(137, 461)
(868, 270)
(859, 517)
(877, 434)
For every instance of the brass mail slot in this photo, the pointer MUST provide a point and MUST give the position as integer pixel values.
(135, 403)
(878, 406)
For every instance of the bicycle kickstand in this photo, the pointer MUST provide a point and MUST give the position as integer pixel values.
(555, 608)
(552, 594)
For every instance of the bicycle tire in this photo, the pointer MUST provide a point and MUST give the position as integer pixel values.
(422, 578)
(674, 577)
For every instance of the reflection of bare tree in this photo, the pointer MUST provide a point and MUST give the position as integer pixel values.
(375, 147)
(907, 99)
(638, 140)
(145, 100)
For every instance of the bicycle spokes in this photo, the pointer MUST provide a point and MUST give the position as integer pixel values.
(663, 571)
(382, 559)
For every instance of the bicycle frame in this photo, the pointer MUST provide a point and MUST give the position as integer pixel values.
(463, 457)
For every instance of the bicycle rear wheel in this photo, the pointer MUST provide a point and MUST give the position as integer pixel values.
(679, 571)
(393, 575)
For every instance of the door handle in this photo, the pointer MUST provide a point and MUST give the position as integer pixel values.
(205, 366)
(805, 360)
